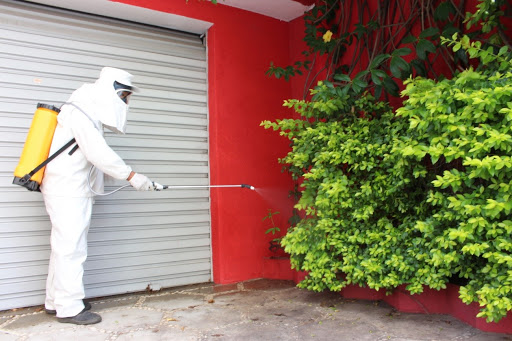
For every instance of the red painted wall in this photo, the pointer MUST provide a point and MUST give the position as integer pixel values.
(241, 46)
(297, 46)
(430, 301)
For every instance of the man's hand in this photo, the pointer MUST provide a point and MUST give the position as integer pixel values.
(142, 183)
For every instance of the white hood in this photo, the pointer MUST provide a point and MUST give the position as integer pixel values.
(101, 101)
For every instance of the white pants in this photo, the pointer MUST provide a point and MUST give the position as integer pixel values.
(71, 218)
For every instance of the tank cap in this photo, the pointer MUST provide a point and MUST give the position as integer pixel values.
(48, 106)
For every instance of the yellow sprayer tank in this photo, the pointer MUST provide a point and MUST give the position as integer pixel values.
(37, 147)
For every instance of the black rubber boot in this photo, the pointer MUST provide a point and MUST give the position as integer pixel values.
(87, 306)
(85, 317)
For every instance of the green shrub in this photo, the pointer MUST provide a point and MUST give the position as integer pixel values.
(413, 198)
(361, 197)
(462, 126)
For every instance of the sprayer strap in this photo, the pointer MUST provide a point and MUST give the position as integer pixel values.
(53, 156)
(72, 151)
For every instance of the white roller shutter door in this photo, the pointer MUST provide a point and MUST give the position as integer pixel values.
(137, 240)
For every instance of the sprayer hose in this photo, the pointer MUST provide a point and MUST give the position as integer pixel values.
(102, 194)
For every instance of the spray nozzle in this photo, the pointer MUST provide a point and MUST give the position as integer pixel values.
(248, 186)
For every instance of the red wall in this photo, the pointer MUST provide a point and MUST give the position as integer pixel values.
(297, 46)
(241, 46)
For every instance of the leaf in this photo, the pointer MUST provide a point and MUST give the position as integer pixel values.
(397, 65)
(380, 73)
(443, 11)
(404, 51)
(375, 77)
(450, 30)
(423, 47)
(391, 86)
(409, 39)
(360, 83)
(429, 32)
(361, 74)
(360, 28)
(373, 24)
(378, 91)
(419, 66)
(329, 84)
(342, 77)
(378, 60)
(503, 51)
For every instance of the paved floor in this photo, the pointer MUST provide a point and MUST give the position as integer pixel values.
(252, 310)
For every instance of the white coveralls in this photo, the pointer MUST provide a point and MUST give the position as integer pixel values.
(65, 188)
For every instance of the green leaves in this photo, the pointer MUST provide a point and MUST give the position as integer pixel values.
(489, 58)
(412, 197)
(424, 45)
(356, 190)
(463, 126)
(359, 83)
(287, 72)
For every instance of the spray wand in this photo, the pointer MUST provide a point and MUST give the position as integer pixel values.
(210, 186)
(167, 186)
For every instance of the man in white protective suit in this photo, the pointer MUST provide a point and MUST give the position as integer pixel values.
(69, 195)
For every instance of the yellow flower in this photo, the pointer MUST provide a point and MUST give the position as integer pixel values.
(327, 36)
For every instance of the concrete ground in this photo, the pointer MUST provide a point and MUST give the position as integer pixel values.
(252, 310)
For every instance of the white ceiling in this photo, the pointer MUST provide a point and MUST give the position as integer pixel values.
(285, 10)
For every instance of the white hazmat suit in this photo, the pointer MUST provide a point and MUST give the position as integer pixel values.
(65, 188)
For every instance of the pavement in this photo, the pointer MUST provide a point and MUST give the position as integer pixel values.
(251, 310)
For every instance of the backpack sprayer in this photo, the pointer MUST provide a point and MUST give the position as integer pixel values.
(30, 170)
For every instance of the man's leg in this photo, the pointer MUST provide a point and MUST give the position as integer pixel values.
(70, 218)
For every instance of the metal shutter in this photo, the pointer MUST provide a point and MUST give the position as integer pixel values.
(137, 239)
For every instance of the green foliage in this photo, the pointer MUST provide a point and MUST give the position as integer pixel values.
(490, 57)
(462, 128)
(357, 193)
(409, 198)
(273, 228)
(487, 17)
(289, 71)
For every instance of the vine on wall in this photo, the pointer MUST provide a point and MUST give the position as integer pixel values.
(377, 44)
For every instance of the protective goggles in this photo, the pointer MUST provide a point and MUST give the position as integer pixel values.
(123, 91)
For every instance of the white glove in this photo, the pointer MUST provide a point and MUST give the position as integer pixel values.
(157, 186)
(141, 183)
